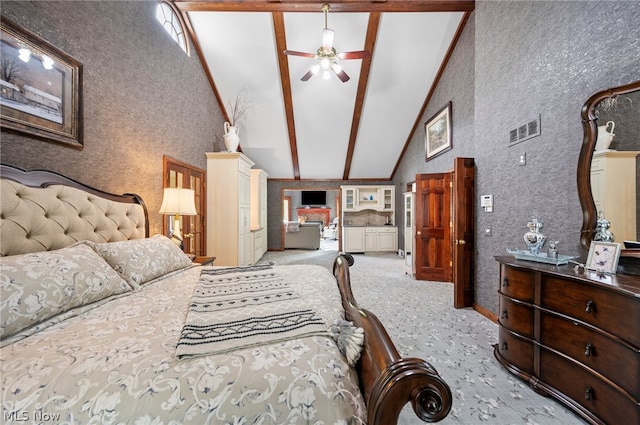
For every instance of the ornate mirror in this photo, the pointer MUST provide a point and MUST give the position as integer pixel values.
(611, 116)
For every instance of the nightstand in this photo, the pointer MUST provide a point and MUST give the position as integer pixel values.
(204, 261)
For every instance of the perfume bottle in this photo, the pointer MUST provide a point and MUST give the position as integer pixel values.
(553, 249)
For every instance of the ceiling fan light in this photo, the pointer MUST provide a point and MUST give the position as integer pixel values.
(325, 63)
(336, 67)
(326, 74)
(315, 68)
(24, 54)
(47, 62)
(327, 39)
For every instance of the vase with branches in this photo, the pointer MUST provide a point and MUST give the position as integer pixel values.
(237, 114)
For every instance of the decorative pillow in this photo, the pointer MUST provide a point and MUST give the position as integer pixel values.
(142, 260)
(40, 285)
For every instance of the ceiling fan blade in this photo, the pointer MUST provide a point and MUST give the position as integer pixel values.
(308, 75)
(361, 54)
(303, 54)
(340, 73)
(327, 39)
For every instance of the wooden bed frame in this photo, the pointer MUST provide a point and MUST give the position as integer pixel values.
(388, 381)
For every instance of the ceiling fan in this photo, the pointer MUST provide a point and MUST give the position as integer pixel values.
(327, 56)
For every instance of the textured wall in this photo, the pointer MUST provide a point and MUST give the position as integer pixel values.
(515, 61)
(142, 95)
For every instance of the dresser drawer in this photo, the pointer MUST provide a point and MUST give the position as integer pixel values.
(516, 350)
(517, 283)
(612, 312)
(516, 316)
(612, 359)
(585, 389)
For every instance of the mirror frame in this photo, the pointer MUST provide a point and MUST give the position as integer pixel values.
(590, 127)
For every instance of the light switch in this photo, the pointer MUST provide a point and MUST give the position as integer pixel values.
(523, 159)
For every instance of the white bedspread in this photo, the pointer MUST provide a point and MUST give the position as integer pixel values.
(117, 364)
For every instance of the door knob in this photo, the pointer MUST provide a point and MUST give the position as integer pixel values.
(418, 233)
(460, 242)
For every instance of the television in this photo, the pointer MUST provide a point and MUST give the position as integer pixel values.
(314, 197)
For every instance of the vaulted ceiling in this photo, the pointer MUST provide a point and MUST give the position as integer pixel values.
(324, 129)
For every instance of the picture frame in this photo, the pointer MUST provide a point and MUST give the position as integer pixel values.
(438, 133)
(41, 88)
(603, 257)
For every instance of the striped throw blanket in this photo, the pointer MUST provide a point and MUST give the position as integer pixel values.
(240, 307)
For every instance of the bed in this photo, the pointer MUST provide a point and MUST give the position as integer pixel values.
(103, 323)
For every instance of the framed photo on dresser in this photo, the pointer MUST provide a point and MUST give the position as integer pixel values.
(603, 257)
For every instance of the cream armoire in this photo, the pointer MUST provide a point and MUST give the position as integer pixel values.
(229, 236)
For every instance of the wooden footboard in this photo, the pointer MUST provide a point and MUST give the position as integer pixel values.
(387, 380)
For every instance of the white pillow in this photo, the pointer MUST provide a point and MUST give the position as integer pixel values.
(37, 286)
(142, 260)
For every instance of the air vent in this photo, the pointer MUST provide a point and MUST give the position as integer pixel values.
(524, 132)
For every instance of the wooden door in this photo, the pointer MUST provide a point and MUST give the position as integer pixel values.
(433, 227)
(463, 232)
(179, 174)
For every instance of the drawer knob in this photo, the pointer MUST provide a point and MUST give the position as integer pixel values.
(505, 282)
(588, 350)
(504, 347)
(588, 394)
(590, 306)
(504, 314)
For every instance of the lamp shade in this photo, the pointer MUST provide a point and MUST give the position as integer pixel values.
(178, 201)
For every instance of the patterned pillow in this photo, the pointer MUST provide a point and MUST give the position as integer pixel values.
(40, 285)
(141, 260)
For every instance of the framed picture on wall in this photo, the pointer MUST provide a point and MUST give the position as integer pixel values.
(603, 257)
(438, 133)
(40, 92)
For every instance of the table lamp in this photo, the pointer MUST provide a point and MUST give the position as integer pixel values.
(178, 201)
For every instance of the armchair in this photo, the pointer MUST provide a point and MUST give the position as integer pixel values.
(331, 231)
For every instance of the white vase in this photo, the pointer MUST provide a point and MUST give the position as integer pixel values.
(605, 137)
(231, 139)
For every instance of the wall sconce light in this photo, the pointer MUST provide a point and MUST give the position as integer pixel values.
(178, 201)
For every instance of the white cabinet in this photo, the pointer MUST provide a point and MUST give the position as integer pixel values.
(229, 236)
(613, 184)
(359, 198)
(259, 213)
(370, 239)
(387, 239)
(409, 231)
(353, 239)
(349, 198)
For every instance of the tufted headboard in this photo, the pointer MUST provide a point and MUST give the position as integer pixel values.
(43, 210)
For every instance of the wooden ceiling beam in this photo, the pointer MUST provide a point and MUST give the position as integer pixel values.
(381, 6)
(369, 45)
(285, 81)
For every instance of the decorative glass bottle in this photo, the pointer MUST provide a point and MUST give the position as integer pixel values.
(533, 238)
(602, 233)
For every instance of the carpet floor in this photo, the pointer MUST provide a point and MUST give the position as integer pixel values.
(420, 318)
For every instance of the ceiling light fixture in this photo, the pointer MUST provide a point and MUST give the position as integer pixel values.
(327, 55)
(25, 54)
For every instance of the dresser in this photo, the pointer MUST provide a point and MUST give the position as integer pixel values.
(573, 336)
